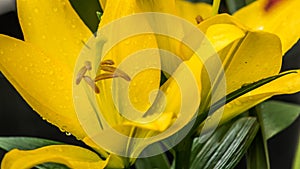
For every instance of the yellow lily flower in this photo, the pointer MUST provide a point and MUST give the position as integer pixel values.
(52, 43)
(46, 60)
(244, 42)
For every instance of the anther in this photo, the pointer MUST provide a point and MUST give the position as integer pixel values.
(91, 83)
(108, 68)
(107, 62)
(105, 76)
(83, 71)
(88, 65)
(199, 19)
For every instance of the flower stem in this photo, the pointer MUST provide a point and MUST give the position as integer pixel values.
(183, 153)
(216, 6)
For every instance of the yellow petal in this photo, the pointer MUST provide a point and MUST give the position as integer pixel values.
(160, 124)
(102, 3)
(189, 10)
(242, 52)
(125, 8)
(44, 82)
(221, 35)
(144, 82)
(282, 19)
(71, 156)
(287, 84)
(256, 56)
(54, 27)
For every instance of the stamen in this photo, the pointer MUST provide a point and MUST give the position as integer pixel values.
(107, 62)
(80, 75)
(122, 74)
(105, 76)
(112, 72)
(199, 19)
(88, 65)
(91, 83)
(82, 71)
(108, 68)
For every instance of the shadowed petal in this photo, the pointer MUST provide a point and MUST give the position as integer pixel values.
(71, 156)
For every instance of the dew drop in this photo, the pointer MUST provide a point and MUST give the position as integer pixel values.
(29, 23)
(1, 52)
(47, 60)
(62, 130)
(73, 26)
(228, 105)
(127, 42)
(68, 134)
(25, 69)
(36, 10)
(43, 37)
(238, 103)
(55, 9)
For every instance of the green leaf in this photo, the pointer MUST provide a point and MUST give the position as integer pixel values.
(296, 163)
(29, 143)
(154, 162)
(226, 146)
(24, 143)
(257, 154)
(276, 116)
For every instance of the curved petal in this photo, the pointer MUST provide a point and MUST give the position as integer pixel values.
(54, 27)
(190, 11)
(102, 3)
(126, 8)
(71, 156)
(44, 82)
(221, 35)
(144, 82)
(242, 51)
(257, 55)
(281, 19)
(287, 84)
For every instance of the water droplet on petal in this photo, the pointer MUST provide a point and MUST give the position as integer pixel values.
(54, 9)
(62, 130)
(238, 103)
(228, 105)
(36, 10)
(68, 134)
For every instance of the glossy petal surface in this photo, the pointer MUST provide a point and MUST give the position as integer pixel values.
(54, 27)
(71, 156)
(281, 19)
(44, 82)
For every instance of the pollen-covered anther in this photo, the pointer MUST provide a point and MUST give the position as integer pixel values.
(110, 71)
(87, 66)
(107, 62)
(91, 83)
(199, 19)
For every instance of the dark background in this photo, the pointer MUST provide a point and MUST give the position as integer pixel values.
(18, 119)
